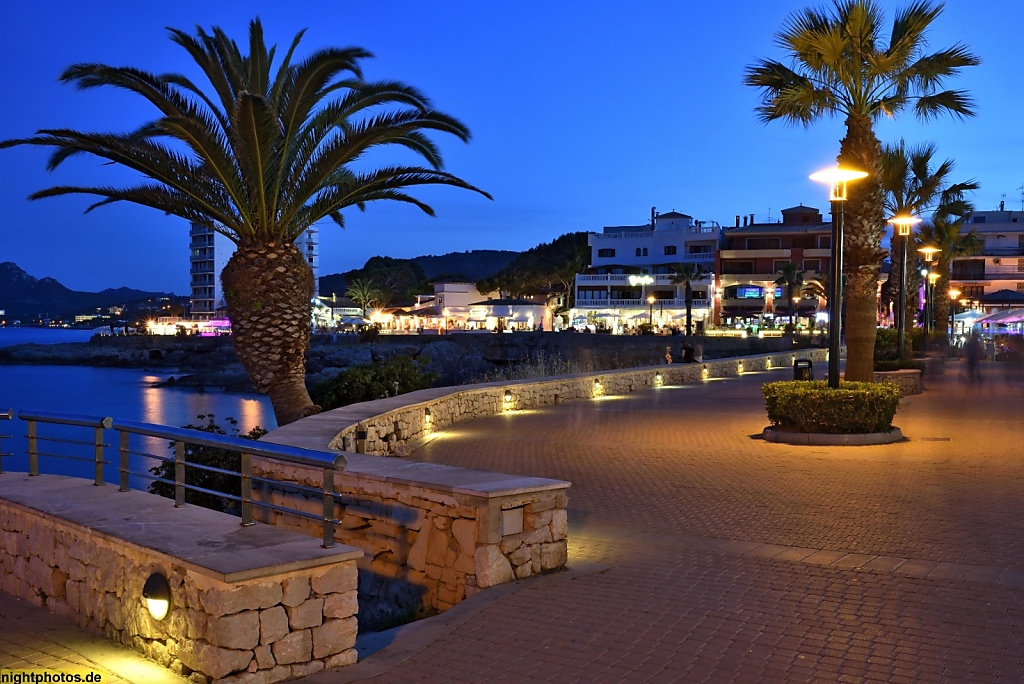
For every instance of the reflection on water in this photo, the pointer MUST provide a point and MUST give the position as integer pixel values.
(115, 392)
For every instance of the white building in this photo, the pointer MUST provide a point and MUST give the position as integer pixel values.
(630, 264)
(999, 267)
(209, 255)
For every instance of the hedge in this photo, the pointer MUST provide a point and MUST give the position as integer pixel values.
(853, 408)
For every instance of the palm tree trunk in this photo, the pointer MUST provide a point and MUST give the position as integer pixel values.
(268, 288)
(688, 299)
(863, 253)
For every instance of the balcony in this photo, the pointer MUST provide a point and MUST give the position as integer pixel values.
(623, 279)
(640, 304)
(759, 253)
(989, 273)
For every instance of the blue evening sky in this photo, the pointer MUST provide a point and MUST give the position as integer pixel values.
(584, 114)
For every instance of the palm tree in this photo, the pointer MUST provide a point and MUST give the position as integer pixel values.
(839, 65)
(946, 233)
(364, 293)
(686, 274)
(912, 187)
(259, 156)
(791, 278)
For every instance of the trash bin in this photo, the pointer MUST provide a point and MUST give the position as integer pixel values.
(803, 369)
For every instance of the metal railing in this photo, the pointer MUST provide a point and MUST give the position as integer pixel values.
(4, 415)
(329, 464)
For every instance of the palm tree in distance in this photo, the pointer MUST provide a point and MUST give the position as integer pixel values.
(686, 274)
(260, 155)
(913, 186)
(364, 293)
(946, 232)
(791, 278)
(839, 65)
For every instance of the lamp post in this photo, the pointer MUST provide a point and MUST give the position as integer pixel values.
(928, 252)
(903, 225)
(954, 295)
(650, 316)
(836, 178)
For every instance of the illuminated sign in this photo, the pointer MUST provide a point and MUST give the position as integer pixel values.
(641, 280)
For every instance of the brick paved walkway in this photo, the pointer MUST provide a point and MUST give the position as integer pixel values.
(699, 553)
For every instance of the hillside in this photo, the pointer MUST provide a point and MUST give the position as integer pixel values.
(23, 296)
(473, 266)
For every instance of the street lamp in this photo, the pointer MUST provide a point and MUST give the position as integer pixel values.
(903, 225)
(836, 178)
(928, 252)
(650, 302)
(954, 295)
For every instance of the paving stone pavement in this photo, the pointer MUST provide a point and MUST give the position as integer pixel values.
(699, 553)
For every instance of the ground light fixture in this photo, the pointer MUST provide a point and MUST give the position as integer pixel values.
(157, 594)
(427, 418)
(658, 379)
(903, 226)
(508, 397)
(836, 178)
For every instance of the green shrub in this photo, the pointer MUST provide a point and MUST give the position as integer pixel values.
(367, 382)
(228, 483)
(852, 408)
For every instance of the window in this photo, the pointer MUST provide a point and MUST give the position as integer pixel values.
(778, 265)
(978, 219)
(638, 251)
(645, 251)
(606, 252)
(972, 291)
(824, 242)
(669, 250)
(812, 265)
(735, 267)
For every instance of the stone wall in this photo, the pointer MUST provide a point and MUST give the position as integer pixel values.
(908, 380)
(431, 535)
(262, 629)
(393, 431)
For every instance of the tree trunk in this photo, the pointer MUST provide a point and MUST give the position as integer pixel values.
(862, 244)
(268, 289)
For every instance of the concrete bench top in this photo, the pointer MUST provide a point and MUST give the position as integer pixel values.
(209, 542)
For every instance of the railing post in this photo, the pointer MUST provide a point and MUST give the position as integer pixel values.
(179, 473)
(98, 450)
(4, 415)
(124, 460)
(247, 490)
(33, 450)
(328, 521)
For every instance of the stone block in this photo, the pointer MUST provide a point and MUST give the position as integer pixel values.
(295, 591)
(294, 648)
(343, 659)
(341, 605)
(465, 564)
(554, 555)
(44, 578)
(238, 631)
(264, 657)
(492, 567)
(306, 669)
(334, 636)
(226, 601)
(417, 558)
(213, 661)
(559, 524)
(307, 614)
(340, 577)
(465, 533)
(520, 556)
(273, 624)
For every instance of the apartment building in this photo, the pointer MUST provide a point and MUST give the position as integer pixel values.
(630, 264)
(994, 278)
(209, 253)
(751, 257)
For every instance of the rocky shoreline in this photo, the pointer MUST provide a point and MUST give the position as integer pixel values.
(211, 363)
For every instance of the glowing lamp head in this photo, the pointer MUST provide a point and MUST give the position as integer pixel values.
(837, 178)
(954, 294)
(427, 417)
(904, 224)
(651, 299)
(508, 396)
(932, 277)
(929, 252)
(157, 594)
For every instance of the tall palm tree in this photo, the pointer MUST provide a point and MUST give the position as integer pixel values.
(686, 274)
(790, 277)
(839, 65)
(364, 293)
(914, 186)
(946, 232)
(260, 155)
